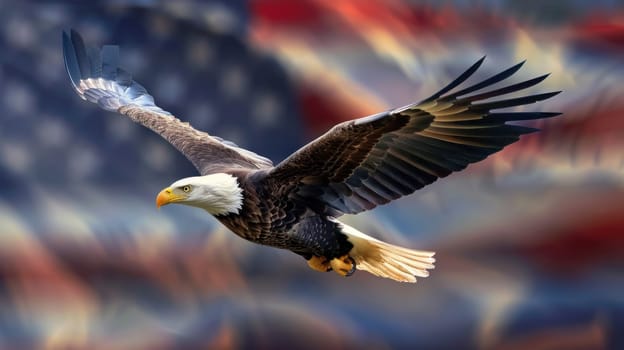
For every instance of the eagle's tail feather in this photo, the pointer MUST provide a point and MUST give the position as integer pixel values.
(387, 260)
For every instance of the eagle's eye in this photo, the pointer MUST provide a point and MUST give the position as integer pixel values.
(186, 189)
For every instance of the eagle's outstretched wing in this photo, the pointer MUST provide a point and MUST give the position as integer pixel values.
(366, 162)
(97, 78)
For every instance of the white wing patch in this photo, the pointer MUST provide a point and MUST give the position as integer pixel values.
(110, 95)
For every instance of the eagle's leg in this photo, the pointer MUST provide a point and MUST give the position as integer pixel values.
(319, 263)
(343, 265)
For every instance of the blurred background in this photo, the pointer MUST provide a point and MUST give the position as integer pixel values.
(530, 242)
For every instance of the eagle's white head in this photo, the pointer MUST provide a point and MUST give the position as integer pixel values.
(219, 194)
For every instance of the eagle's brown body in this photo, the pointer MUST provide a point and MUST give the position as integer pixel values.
(268, 217)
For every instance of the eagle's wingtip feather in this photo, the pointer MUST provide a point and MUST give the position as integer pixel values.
(70, 59)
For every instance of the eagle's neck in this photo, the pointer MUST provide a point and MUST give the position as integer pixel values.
(220, 194)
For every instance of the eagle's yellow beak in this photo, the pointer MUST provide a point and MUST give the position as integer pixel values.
(167, 196)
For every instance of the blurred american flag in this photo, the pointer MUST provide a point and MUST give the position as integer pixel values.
(530, 242)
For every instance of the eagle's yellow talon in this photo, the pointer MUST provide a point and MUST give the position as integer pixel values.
(344, 265)
(319, 263)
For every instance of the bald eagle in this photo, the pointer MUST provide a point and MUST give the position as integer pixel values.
(354, 167)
